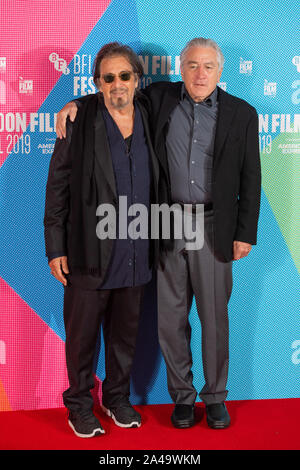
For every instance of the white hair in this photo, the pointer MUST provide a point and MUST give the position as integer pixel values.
(203, 42)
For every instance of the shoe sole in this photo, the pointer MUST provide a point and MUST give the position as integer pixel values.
(216, 425)
(133, 424)
(183, 424)
(96, 432)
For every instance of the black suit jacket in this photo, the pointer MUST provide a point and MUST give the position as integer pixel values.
(236, 175)
(58, 218)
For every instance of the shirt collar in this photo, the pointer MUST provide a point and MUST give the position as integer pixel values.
(210, 101)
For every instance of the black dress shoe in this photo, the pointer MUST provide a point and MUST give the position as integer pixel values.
(183, 416)
(217, 416)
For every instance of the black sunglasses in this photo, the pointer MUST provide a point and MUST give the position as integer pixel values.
(124, 76)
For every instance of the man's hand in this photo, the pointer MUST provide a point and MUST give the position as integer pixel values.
(240, 250)
(70, 109)
(59, 266)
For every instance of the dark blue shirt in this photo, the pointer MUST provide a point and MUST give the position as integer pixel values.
(129, 265)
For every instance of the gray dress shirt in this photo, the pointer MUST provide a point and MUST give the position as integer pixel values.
(190, 148)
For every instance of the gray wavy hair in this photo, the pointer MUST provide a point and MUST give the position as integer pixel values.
(203, 42)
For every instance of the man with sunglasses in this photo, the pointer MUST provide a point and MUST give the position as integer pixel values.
(106, 154)
(206, 141)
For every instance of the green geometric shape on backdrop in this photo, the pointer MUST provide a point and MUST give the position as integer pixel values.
(281, 183)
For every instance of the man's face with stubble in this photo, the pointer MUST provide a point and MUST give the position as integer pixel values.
(117, 93)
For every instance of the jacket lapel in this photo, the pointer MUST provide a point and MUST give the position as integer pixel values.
(154, 161)
(169, 102)
(102, 150)
(226, 114)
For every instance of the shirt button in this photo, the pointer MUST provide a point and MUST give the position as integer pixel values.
(197, 122)
(195, 140)
(192, 181)
(193, 161)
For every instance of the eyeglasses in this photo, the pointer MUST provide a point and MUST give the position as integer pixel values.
(124, 76)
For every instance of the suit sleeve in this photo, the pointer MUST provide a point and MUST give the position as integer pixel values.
(82, 99)
(57, 197)
(250, 186)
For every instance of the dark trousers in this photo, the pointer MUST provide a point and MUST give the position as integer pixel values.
(84, 310)
(181, 275)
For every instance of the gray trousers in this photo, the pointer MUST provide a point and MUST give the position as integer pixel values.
(181, 275)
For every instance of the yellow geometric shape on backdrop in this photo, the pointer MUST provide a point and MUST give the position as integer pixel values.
(4, 402)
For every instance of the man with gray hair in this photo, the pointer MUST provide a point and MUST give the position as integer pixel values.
(207, 144)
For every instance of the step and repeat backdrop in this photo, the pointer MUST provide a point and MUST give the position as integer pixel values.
(47, 50)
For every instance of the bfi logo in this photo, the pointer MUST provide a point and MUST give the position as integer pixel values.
(59, 64)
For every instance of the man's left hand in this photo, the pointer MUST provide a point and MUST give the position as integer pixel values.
(240, 250)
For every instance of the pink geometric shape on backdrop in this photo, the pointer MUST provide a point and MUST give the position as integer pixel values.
(30, 32)
(32, 370)
(32, 357)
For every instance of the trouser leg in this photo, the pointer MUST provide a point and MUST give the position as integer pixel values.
(83, 311)
(212, 284)
(120, 328)
(174, 331)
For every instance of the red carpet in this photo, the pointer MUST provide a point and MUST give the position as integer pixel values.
(256, 425)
